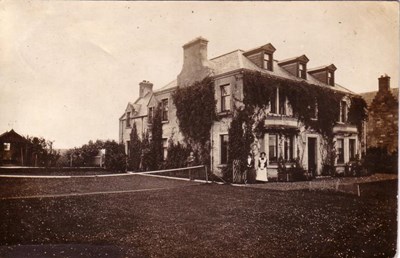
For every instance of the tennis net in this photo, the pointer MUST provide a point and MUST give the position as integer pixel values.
(195, 173)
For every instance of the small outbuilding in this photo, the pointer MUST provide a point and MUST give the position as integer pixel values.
(13, 149)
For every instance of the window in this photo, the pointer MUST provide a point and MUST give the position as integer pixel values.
(128, 148)
(343, 111)
(302, 71)
(7, 146)
(225, 97)
(313, 108)
(150, 115)
(340, 152)
(273, 147)
(288, 148)
(352, 149)
(268, 61)
(330, 79)
(128, 119)
(273, 101)
(224, 148)
(164, 109)
(165, 148)
(282, 104)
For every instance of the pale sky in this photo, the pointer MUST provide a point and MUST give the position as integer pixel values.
(69, 68)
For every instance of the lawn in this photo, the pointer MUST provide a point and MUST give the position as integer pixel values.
(190, 220)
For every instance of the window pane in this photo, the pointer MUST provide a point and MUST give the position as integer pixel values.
(224, 149)
(340, 151)
(165, 109)
(352, 149)
(273, 101)
(225, 97)
(282, 104)
(343, 112)
(273, 147)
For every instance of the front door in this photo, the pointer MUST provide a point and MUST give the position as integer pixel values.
(312, 156)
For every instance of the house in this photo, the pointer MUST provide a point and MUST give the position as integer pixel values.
(14, 149)
(383, 115)
(283, 135)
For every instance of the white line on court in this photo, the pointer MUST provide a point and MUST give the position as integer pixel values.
(89, 193)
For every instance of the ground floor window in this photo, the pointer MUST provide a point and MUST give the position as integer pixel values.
(340, 151)
(224, 148)
(128, 148)
(165, 148)
(352, 149)
(273, 147)
(288, 148)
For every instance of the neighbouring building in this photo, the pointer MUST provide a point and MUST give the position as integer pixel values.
(14, 149)
(284, 136)
(383, 114)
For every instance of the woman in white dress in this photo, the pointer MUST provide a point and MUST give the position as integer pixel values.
(262, 167)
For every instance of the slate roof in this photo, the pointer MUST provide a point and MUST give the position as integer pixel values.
(236, 60)
(369, 96)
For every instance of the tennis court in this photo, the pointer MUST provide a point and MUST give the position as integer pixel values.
(145, 215)
(37, 186)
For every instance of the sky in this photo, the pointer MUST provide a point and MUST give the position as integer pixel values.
(69, 68)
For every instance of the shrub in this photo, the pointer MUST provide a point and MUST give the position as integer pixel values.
(115, 159)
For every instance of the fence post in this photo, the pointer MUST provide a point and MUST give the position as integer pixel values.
(205, 167)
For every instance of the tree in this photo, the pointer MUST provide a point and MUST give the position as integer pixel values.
(156, 143)
(135, 149)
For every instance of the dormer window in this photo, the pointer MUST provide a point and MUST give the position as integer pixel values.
(325, 74)
(267, 61)
(296, 66)
(330, 78)
(302, 71)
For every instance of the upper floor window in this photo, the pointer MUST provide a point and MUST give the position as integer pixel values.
(128, 119)
(282, 104)
(313, 109)
(330, 78)
(150, 115)
(302, 71)
(343, 111)
(267, 61)
(164, 109)
(7, 146)
(273, 101)
(225, 97)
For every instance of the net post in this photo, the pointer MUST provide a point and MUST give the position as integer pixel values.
(205, 169)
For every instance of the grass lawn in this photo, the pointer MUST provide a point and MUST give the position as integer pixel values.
(197, 220)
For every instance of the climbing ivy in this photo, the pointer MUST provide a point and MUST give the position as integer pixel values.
(195, 110)
(302, 97)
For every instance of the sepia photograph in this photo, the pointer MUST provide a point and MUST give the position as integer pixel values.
(199, 128)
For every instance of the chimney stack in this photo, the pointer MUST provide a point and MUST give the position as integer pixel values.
(196, 65)
(384, 83)
(145, 87)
